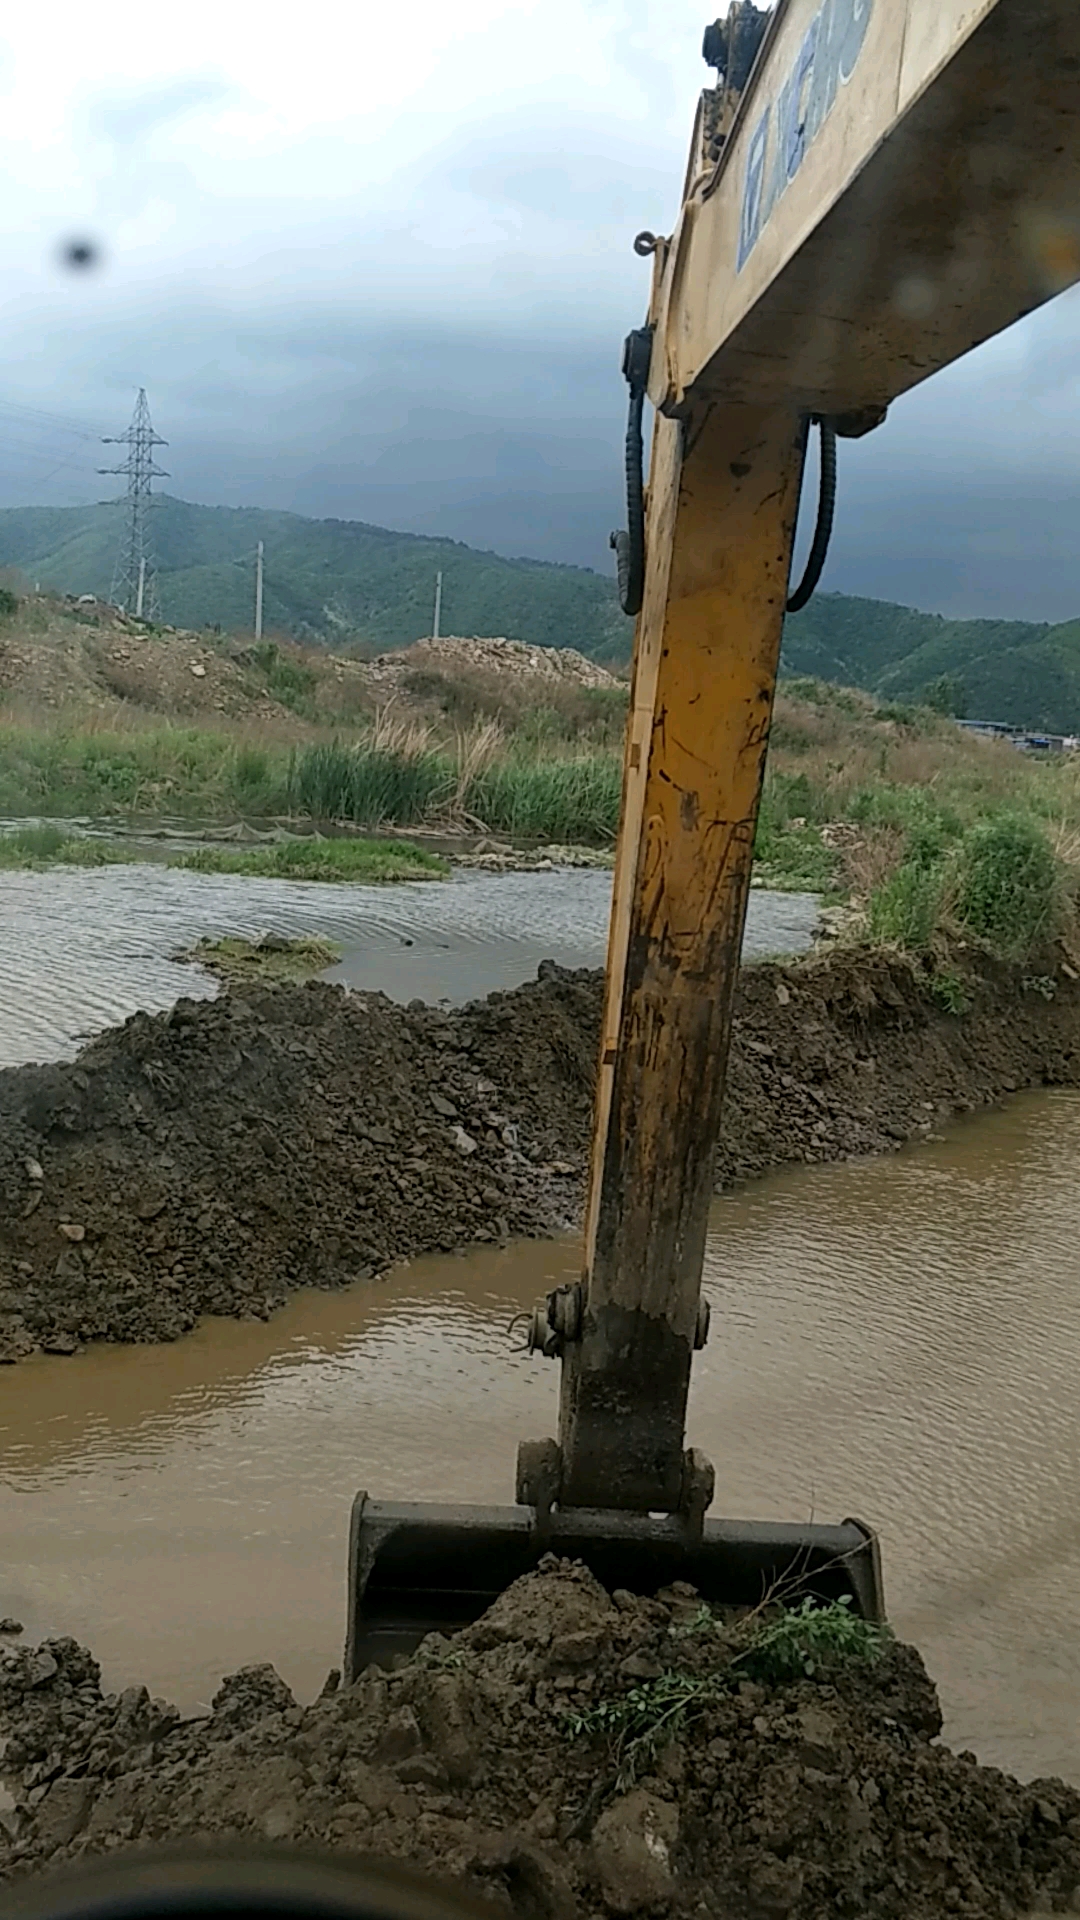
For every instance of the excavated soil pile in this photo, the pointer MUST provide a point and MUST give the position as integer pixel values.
(215, 1158)
(494, 1759)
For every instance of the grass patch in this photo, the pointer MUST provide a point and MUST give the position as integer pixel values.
(272, 958)
(904, 910)
(550, 798)
(284, 676)
(34, 848)
(563, 798)
(354, 861)
(370, 784)
(71, 769)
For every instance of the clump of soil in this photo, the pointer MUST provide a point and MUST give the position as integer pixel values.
(216, 1158)
(484, 1759)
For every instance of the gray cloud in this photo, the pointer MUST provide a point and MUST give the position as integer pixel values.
(352, 359)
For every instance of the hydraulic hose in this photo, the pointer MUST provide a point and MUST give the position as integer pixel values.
(826, 510)
(629, 546)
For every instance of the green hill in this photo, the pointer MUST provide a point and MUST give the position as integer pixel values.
(326, 580)
(341, 581)
(1024, 674)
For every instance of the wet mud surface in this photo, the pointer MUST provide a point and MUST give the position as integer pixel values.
(218, 1157)
(536, 1758)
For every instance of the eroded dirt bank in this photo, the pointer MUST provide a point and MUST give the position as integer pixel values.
(503, 1759)
(214, 1159)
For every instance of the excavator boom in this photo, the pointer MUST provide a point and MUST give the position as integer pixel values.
(896, 181)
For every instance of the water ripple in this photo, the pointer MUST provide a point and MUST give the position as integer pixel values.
(84, 949)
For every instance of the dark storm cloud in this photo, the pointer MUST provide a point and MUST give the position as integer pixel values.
(444, 357)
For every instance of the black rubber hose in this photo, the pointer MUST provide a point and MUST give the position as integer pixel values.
(629, 547)
(823, 531)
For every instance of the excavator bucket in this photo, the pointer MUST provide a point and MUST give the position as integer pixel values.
(416, 1569)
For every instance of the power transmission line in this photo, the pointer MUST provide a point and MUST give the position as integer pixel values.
(135, 586)
(37, 416)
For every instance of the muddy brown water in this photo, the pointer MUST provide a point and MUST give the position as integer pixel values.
(899, 1339)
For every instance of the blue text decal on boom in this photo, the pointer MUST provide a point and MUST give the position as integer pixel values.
(831, 46)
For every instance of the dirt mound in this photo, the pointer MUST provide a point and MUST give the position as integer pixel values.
(213, 1159)
(514, 658)
(502, 1759)
(86, 653)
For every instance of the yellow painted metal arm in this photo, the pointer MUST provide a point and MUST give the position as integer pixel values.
(902, 181)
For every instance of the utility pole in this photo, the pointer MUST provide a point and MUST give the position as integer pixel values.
(134, 586)
(258, 590)
(438, 606)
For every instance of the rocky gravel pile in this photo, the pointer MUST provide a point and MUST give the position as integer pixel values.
(500, 1760)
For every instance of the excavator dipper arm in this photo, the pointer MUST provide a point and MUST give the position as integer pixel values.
(898, 181)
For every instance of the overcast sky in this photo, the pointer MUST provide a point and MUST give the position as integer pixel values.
(375, 262)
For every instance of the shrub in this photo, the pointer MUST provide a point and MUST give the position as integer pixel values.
(288, 680)
(9, 603)
(1006, 887)
(904, 909)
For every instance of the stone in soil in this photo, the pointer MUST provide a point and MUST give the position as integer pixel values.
(803, 1799)
(215, 1158)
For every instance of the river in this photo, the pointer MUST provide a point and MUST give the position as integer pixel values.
(898, 1339)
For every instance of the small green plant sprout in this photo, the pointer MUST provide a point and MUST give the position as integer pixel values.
(640, 1722)
(700, 1621)
(809, 1640)
(950, 992)
(1041, 983)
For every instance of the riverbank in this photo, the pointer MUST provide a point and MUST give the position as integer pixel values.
(217, 1158)
(572, 1754)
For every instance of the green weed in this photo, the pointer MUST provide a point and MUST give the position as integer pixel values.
(1006, 883)
(287, 680)
(810, 1640)
(950, 992)
(636, 1725)
(904, 909)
